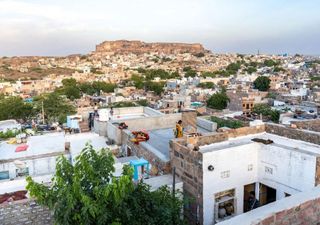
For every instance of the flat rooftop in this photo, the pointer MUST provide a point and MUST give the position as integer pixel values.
(128, 116)
(52, 143)
(280, 141)
(156, 182)
(159, 141)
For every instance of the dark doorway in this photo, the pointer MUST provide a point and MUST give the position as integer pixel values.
(267, 194)
(129, 152)
(247, 189)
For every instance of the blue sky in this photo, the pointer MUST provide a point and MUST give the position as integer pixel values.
(57, 27)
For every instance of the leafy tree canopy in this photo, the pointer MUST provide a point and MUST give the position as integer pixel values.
(87, 193)
(218, 101)
(266, 110)
(209, 85)
(15, 108)
(56, 107)
(262, 83)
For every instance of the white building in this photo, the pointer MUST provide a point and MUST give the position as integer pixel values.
(229, 165)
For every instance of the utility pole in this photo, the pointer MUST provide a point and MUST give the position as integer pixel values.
(174, 191)
(42, 112)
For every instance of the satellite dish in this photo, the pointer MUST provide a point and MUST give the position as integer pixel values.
(19, 164)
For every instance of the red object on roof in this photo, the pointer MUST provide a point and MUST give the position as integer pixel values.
(22, 148)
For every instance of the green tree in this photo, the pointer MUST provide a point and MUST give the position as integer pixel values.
(15, 108)
(103, 86)
(206, 85)
(70, 89)
(266, 110)
(138, 81)
(86, 88)
(69, 82)
(56, 107)
(262, 83)
(270, 63)
(87, 193)
(218, 101)
(72, 92)
(189, 72)
(156, 87)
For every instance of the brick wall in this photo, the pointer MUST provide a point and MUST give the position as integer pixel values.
(313, 125)
(189, 169)
(160, 165)
(306, 213)
(24, 212)
(297, 134)
(299, 209)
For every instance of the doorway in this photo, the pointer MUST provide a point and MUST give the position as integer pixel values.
(246, 193)
(267, 194)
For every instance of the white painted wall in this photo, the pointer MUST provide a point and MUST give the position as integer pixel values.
(293, 172)
(235, 160)
(36, 167)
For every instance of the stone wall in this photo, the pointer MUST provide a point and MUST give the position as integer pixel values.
(189, 170)
(305, 213)
(225, 135)
(313, 125)
(299, 209)
(297, 134)
(159, 165)
(317, 178)
(24, 212)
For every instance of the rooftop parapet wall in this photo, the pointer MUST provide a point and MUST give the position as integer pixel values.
(297, 134)
(302, 208)
(223, 136)
(313, 125)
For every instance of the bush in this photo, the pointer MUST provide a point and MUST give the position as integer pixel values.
(9, 134)
(234, 124)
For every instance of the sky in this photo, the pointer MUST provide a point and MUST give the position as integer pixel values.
(63, 27)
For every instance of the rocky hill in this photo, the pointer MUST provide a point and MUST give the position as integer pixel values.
(139, 47)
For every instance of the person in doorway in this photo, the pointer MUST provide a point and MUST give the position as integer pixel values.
(179, 129)
(253, 202)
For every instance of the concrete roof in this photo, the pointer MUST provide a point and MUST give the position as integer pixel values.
(79, 141)
(52, 143)
(295, 145)
(156, 182)
(159, 141)
(42, 144)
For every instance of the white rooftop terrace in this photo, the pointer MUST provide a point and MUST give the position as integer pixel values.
(52, 143)
(280, 141)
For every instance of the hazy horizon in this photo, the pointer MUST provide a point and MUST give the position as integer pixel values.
(60, 28)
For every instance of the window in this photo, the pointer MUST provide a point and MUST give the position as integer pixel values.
(225, 174)
(4, 175)
(22, 172)
(268, 170)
